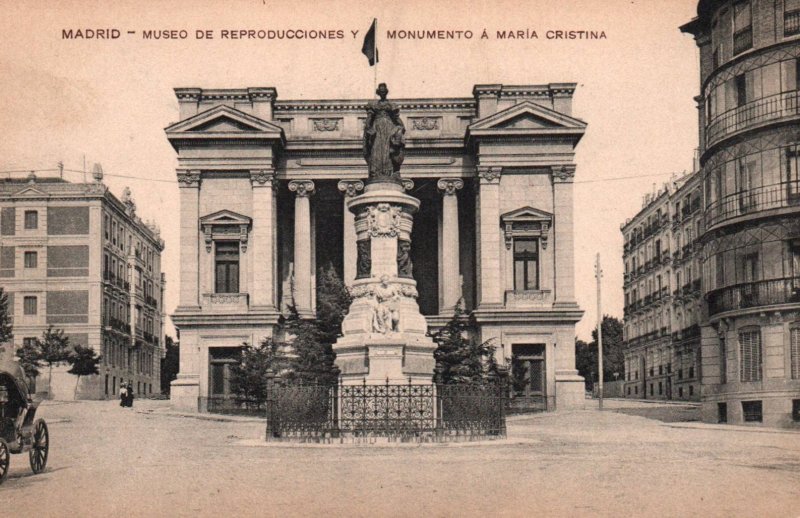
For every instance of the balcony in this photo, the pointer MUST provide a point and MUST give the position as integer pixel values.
(225, 301)
(742, 203)
(752, 114)
(754, 294)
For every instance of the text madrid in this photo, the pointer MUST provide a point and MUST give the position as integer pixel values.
(336, 34)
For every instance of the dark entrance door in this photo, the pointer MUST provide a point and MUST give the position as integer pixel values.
(529, 382)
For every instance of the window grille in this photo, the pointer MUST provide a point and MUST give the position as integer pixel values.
(794, 340)
(752, 411)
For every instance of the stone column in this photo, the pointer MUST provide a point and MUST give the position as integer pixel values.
(350, 188)
(563, 176)
(302, 247)
(490, 291)
(189, 184)
(451, 279)
(263, 237)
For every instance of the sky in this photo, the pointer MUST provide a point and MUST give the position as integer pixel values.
(109, 100)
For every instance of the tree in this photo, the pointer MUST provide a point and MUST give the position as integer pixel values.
(29, 357)
(314, 361)
(613, 356)
(249, 377)
(53, 348)
(83, 361)
(5, 319)
(459, 356)
(170, 364)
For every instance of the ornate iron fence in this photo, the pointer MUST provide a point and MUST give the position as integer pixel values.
(404, 411)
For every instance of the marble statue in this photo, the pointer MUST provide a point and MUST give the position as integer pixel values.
(384, 138)
(385, 317)
(363, 260)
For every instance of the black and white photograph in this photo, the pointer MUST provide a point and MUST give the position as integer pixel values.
(400, 258)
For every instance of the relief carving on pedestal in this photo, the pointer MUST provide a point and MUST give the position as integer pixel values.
(383, 220)
(363, 260)
(404, 265)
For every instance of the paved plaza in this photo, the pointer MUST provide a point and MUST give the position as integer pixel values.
(110, 461)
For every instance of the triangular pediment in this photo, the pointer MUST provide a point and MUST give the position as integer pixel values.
(225, 217)
(526, 119)
(223, 119)
(526, 214)
(30, 191)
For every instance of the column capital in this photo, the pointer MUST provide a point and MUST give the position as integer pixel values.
(563, 173)
(303, 188)
(449, 186)
(189, 179)
(408, 183)
(350, 188)
(263, 177)
(489, 174)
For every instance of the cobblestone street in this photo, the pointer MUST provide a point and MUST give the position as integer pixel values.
(110, 461)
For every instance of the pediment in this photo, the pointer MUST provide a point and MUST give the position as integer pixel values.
(30, 191)
(526, 119)
(224, 122)
(526, 214)
(225, 217)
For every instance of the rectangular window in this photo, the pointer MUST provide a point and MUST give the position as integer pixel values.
(750, 355)
(794, 353)
(30, 305)
(680, 391)
(723, 361)
(722, 412)
(691, 390)
(227, 267)
(791, 17)
(31, 219)
(742, 27)
(31, 259)
(740, 83)
(752, 411)
(526, 264)
(796, 410)
(793, 172)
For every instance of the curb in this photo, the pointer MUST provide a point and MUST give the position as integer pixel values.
(729, 428)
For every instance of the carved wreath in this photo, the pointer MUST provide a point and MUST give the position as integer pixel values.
(383, 220)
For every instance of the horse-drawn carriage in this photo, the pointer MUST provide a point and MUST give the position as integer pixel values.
(19, 430)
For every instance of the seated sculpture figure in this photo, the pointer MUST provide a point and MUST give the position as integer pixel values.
(385, 318)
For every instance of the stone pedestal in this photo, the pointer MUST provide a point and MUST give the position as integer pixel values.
(384, 332)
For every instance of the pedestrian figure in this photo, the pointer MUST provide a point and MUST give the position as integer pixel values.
(123, 395)
(129, 397)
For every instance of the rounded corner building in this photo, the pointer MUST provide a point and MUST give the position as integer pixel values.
(749, 109)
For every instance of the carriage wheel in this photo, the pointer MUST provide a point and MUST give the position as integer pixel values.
(40, 446)
(5, 460)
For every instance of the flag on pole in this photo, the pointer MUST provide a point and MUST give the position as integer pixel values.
(370, 47)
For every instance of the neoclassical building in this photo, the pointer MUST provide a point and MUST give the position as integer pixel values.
(749, 115)
(263, 190)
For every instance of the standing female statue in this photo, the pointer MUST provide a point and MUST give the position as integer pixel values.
(384, 138)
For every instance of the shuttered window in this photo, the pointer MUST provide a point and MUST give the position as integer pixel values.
(750, 355)
(227, 267)
(794, 339)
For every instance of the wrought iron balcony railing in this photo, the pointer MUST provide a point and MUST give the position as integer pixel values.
(754, 294)
(752, 114)
(775, 196)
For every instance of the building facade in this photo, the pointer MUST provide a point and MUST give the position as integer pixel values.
(749, 153)
(263, 189)
(75, 257)
(662, 294)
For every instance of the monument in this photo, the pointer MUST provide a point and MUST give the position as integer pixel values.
(384, 334)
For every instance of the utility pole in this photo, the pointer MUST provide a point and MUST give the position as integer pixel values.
(598, 273)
